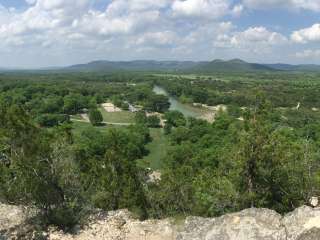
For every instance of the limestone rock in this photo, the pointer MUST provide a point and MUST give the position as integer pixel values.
(249, 224)
(300, 222)
(11, 216)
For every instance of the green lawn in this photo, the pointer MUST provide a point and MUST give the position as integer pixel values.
(77, 116)
(117, 117)
(158, 149)
(78, 127)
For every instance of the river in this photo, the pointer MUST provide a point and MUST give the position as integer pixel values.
(187, 110)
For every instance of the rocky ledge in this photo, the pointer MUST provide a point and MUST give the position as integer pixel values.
(249, 224)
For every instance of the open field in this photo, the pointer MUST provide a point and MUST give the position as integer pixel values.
(157, 150)
(78, 127)
(117, 117)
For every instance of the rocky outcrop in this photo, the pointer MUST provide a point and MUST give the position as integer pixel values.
(302, 224)
(249, 224)
(11, 216)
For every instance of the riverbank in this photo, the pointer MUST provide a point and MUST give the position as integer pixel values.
(188, 110)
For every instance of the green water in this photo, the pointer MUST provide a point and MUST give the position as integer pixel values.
(187, 110)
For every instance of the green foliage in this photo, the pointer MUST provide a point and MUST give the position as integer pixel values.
(141, 118)
(153, 121)
(95, 117)
(175, 118)
(73, 103)
(110, 158)
(270, 159)
(214, 195)
(157, 103)
(35, 170)
(51, 120)
(279, 168)
(230, 165)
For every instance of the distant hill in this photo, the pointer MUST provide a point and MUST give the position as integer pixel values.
(234, 65)
(297, 68)
(139, 65)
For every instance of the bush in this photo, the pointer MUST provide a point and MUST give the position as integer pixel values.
(51, 120)
(38, 170)
(153, 121)
(95, 117)
(175, 118)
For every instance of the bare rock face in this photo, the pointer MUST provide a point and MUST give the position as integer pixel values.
(249, 224)
(11, 216)
(120, 225)
(301, 223)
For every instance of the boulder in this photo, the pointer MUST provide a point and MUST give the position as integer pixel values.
(302, 222)
(250, 224)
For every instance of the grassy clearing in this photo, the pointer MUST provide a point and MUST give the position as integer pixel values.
(186, 76)
(77, 116)
(157, 148)
(78, 127)
(117, 117)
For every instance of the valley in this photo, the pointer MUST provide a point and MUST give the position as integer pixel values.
(160, 145)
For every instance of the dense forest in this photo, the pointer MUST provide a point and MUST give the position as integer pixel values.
(262, 151)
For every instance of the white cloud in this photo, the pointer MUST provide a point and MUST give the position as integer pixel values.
(102, 24)
(313, 5)
(308, 54)
(120, 7)
(237, 10)
(311, 34)
(257, 35)
(65, 31)
(6, 15)
(157, 38)
(31, 1)
(201, 8)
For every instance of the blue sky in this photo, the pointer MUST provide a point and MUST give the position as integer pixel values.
(40, 33)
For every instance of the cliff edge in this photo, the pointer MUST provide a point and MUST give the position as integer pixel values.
(249, 224)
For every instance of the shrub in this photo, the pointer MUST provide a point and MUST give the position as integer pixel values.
(95, 117)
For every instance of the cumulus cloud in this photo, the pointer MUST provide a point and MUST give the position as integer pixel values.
(311, 34)
(164, 38)
(123, 29)
(257, 35)
(202, 8)
(313, 5)
(261, 34)
(31, 1)
(237, 10)
(308, 54)
(121, 7)
(75, 16)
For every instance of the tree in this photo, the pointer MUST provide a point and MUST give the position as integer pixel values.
(51, 120)
(37, 169)
(73, 103)
(141, 118)
(95, 117)
(153, 121)
(110, 158)
(279, 172)
(175, 118)
(157, 103)
(214, 195)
